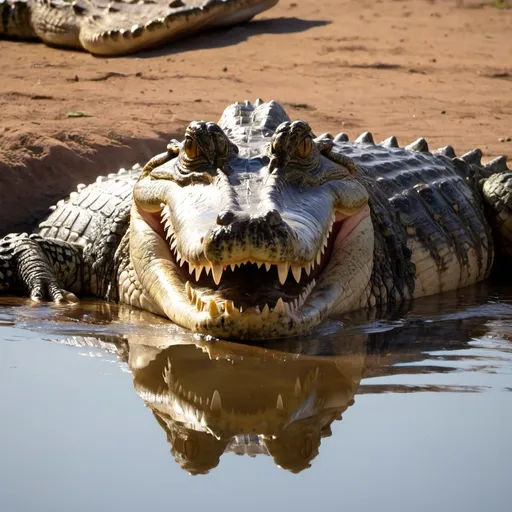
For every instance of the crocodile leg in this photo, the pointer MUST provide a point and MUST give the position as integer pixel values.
(497, 192)
(47, 267)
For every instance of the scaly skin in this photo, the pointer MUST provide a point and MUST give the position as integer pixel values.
(255, 228)
(498, 193)
(121, 27)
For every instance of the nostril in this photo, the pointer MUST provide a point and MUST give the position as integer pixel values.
(225, 217)
(273, 218)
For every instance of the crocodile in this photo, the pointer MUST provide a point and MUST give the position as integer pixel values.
(254, 228)
(119, 27)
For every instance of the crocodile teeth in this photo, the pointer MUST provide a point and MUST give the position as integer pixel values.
(216, 403)
(217, 273)
(265, 310)
(213, 309)
(229, 307)
(298, 388)
(166, 212)
(279, 403)
(282, 270)
(279, 306)
(296, 271)
(268, 266)
(198, 271)
(188, 289)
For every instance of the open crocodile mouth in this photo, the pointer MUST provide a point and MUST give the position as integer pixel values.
(251, 287)
(218, 408)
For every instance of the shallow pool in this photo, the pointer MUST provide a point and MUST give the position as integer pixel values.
(106, 408)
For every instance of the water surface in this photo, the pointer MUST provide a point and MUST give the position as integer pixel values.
(107, 408)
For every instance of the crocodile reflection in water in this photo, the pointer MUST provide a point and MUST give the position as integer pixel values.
(213, 397)
(217, 397)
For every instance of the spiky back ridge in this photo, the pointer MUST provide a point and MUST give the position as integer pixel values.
(433, 198)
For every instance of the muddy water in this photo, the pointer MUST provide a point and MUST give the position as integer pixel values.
(105, 408)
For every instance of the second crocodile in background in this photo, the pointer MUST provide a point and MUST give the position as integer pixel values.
(122, 26)
(254, 228)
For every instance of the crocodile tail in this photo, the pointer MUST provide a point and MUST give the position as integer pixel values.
(15, 20)
(497, 192)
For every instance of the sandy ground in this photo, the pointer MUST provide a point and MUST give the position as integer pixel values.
(437, 69)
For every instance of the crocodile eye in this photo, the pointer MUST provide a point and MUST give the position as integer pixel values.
(192, 149)
(304, 148)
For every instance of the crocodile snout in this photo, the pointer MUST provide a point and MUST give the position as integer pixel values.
(238, 236)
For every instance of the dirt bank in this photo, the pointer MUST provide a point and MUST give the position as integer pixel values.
(407, 68)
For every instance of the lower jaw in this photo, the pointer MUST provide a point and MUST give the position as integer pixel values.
(252, 327)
